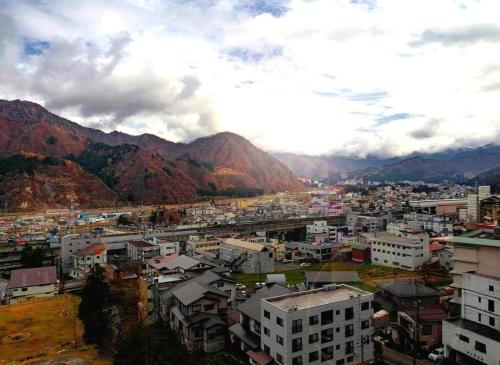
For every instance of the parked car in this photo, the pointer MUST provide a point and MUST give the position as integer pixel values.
(436, 354)
(240, 286)
(305, 264)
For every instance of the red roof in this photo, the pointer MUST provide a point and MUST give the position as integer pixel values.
(94, 249)
(435, 247)
(260, 357)
(31, 277)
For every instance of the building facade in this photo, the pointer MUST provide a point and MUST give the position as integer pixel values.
(329, 325)
(408, 253)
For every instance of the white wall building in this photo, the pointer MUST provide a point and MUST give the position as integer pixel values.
(331, 325)
(85, 259)
(475, 337)
(407, 253)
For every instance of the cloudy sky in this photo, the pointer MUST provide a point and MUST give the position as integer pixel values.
(310, 76)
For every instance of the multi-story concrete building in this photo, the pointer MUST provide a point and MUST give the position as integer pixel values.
(474, 338)
(206, 243)
(329, 325)
(85, 259)
(473, 203)
(490, 209)
(247, 257)
(407, 253)
(319, 251)
(477, 251)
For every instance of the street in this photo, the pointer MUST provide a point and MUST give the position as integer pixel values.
(397, 358)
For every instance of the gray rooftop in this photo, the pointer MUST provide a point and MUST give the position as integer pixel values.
(31, 277)
(405, 288)
(191, 291)
(251, 307)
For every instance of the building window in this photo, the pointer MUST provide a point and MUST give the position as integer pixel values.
(196, 308)
(279, 339)
(297, 344)
(365, 324)
(491, 305)
(279, 358)
(313, 338)
(297, 326)
(491, 288)
(279, 321)
(313, 356)
(340, 362)
(463, 338)
(327, 353)
(350, 358)
(349, 348)
(349, 313)
(297, 360)
(267, 332)
(492, 321)
(327, 335)
(267, 314)
(365, 306)
(209, 307)
(326, 317)
(479, 317)
(427, 330)
(313, 320)
(267, 350)
(479, 299)
(481, 347)
(349, 330)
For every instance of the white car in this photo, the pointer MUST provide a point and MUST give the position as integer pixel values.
(436, 355)
(240, 287)
(305, 264)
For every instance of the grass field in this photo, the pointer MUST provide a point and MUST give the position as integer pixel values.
(370, 274)
(50, 327)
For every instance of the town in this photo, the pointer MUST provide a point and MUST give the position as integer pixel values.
(354, 273)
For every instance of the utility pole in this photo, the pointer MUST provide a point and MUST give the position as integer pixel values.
(416, 331)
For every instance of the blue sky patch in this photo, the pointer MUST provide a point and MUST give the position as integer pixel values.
(35, 47)
(397, 116)
(252, 56)
(276, 8)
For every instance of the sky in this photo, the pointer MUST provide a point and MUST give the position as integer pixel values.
(345, 77)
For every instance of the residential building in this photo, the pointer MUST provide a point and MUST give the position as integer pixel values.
(142, 250)
(197, 313)
(31, 283)
(429, 327)
(204, 243)
(490, 209)
(474, 338)
(407, 253)
(321, 251)
(247, 257)
(477, 251)
(329, 325)
(401, 295)
(85, 260)
(361, 252)
(246, 334)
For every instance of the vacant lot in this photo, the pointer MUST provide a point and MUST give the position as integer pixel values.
(39, 330)
(370, 275)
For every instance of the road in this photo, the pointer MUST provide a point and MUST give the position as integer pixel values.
(397, 358)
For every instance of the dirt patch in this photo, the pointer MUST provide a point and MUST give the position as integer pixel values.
(16, 337)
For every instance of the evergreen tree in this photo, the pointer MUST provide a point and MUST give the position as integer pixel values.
(94, 308)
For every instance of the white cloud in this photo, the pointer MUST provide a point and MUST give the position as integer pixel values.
(315, 76)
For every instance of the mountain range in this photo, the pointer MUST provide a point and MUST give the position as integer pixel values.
(462, 164)
(49, 161)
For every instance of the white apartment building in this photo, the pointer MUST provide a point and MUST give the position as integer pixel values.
(407, 253)
(473, 201)
(85, 259)
(475, 337)
(331, 325)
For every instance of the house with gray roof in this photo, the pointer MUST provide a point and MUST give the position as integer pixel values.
(197, 312)
(31, 283)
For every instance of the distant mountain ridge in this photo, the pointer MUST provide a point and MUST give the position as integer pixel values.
(452, 164)
(137, 169)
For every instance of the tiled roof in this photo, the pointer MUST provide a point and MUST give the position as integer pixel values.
(31, 277)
